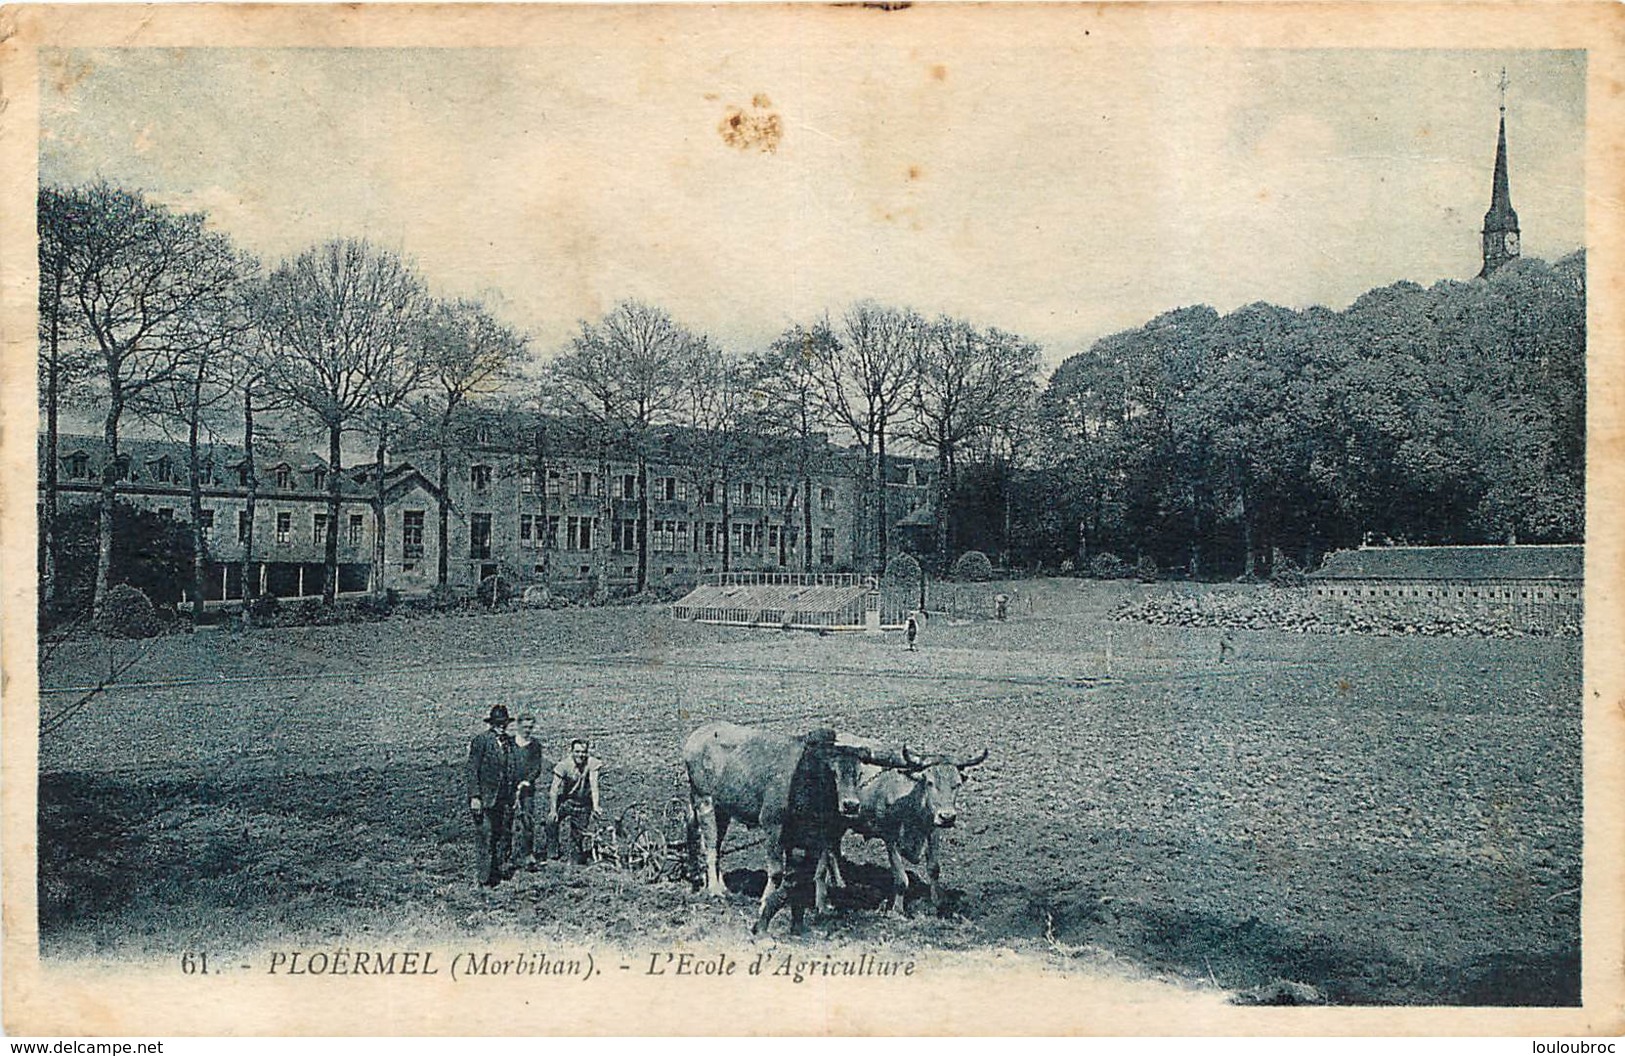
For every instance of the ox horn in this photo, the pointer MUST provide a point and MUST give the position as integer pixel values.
(978, 761)
(912, 761)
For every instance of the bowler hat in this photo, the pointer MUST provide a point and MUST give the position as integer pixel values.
(499, 715)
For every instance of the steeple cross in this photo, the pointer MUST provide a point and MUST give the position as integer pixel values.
(1503, 87)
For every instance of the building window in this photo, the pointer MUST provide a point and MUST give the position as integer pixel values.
(205, 523)
(355, 529)
(710, 496)
(624, 535)
(284, 528)
(527, 480)
(412, 535)
(664, 539)
(826, 499)
(712, 533)
(578, 533)
(747, 493)
(318, 529)
(629, 486)
(78, 466)
(284, 477)
(527, 530)
(163, 471)
(166, 512)
(482, 433)
(242, 526)
(826, 545)
(552, 483)
(479, 478)
(318, 479)
(552, 533)
(479, 535)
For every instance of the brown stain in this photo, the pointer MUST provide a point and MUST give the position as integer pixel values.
(70, 73)
(758, 129)
(915, 172)
(939, 72)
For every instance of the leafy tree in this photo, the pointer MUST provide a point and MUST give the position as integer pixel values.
(148, 287)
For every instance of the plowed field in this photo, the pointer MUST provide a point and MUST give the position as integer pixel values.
(1390, 820)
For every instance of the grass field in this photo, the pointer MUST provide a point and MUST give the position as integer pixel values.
(1391, 820)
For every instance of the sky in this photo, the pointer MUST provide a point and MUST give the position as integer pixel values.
(1020, 182)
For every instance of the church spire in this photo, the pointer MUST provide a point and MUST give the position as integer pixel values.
(1501, 222)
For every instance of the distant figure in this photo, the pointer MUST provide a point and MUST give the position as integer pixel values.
(572, 802)
(529, 761)
(1226, 646)
(911, 630)
(491, 777)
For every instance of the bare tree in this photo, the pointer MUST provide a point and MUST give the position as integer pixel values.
(468, 354)
(626, 372)
(716, 412)
(208, 376)
(63, 359)
(787, 398)
(864, 379)
(336, 323)
(146, 283)
(969, 384)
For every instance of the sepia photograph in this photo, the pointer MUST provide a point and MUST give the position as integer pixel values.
(1085, 509)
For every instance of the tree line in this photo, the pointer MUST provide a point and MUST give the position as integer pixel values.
(1206, 442)
(147, 313)
(1214, 443)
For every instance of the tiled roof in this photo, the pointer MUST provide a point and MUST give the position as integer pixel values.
(1564, 562)
(217, 461)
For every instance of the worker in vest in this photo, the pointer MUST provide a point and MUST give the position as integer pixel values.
(572, 803)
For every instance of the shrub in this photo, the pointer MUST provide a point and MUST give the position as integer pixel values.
(973, 566)
(1107, 565)
(127, 613)
(495, 590)
(263, 609)
(1289, 575)
(153, 554)
(1145, 569)
(903, 569)
(371, 608)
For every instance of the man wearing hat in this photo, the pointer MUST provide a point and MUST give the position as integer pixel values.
(492, 776)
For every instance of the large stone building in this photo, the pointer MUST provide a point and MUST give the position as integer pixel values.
(535, 504)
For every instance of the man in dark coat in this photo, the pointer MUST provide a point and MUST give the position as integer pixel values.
(492, 775)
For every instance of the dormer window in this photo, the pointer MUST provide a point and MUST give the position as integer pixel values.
(479, 478)
(482, 433)
(318, 477)
(284, 477)
(78, 465)
(163, 471)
